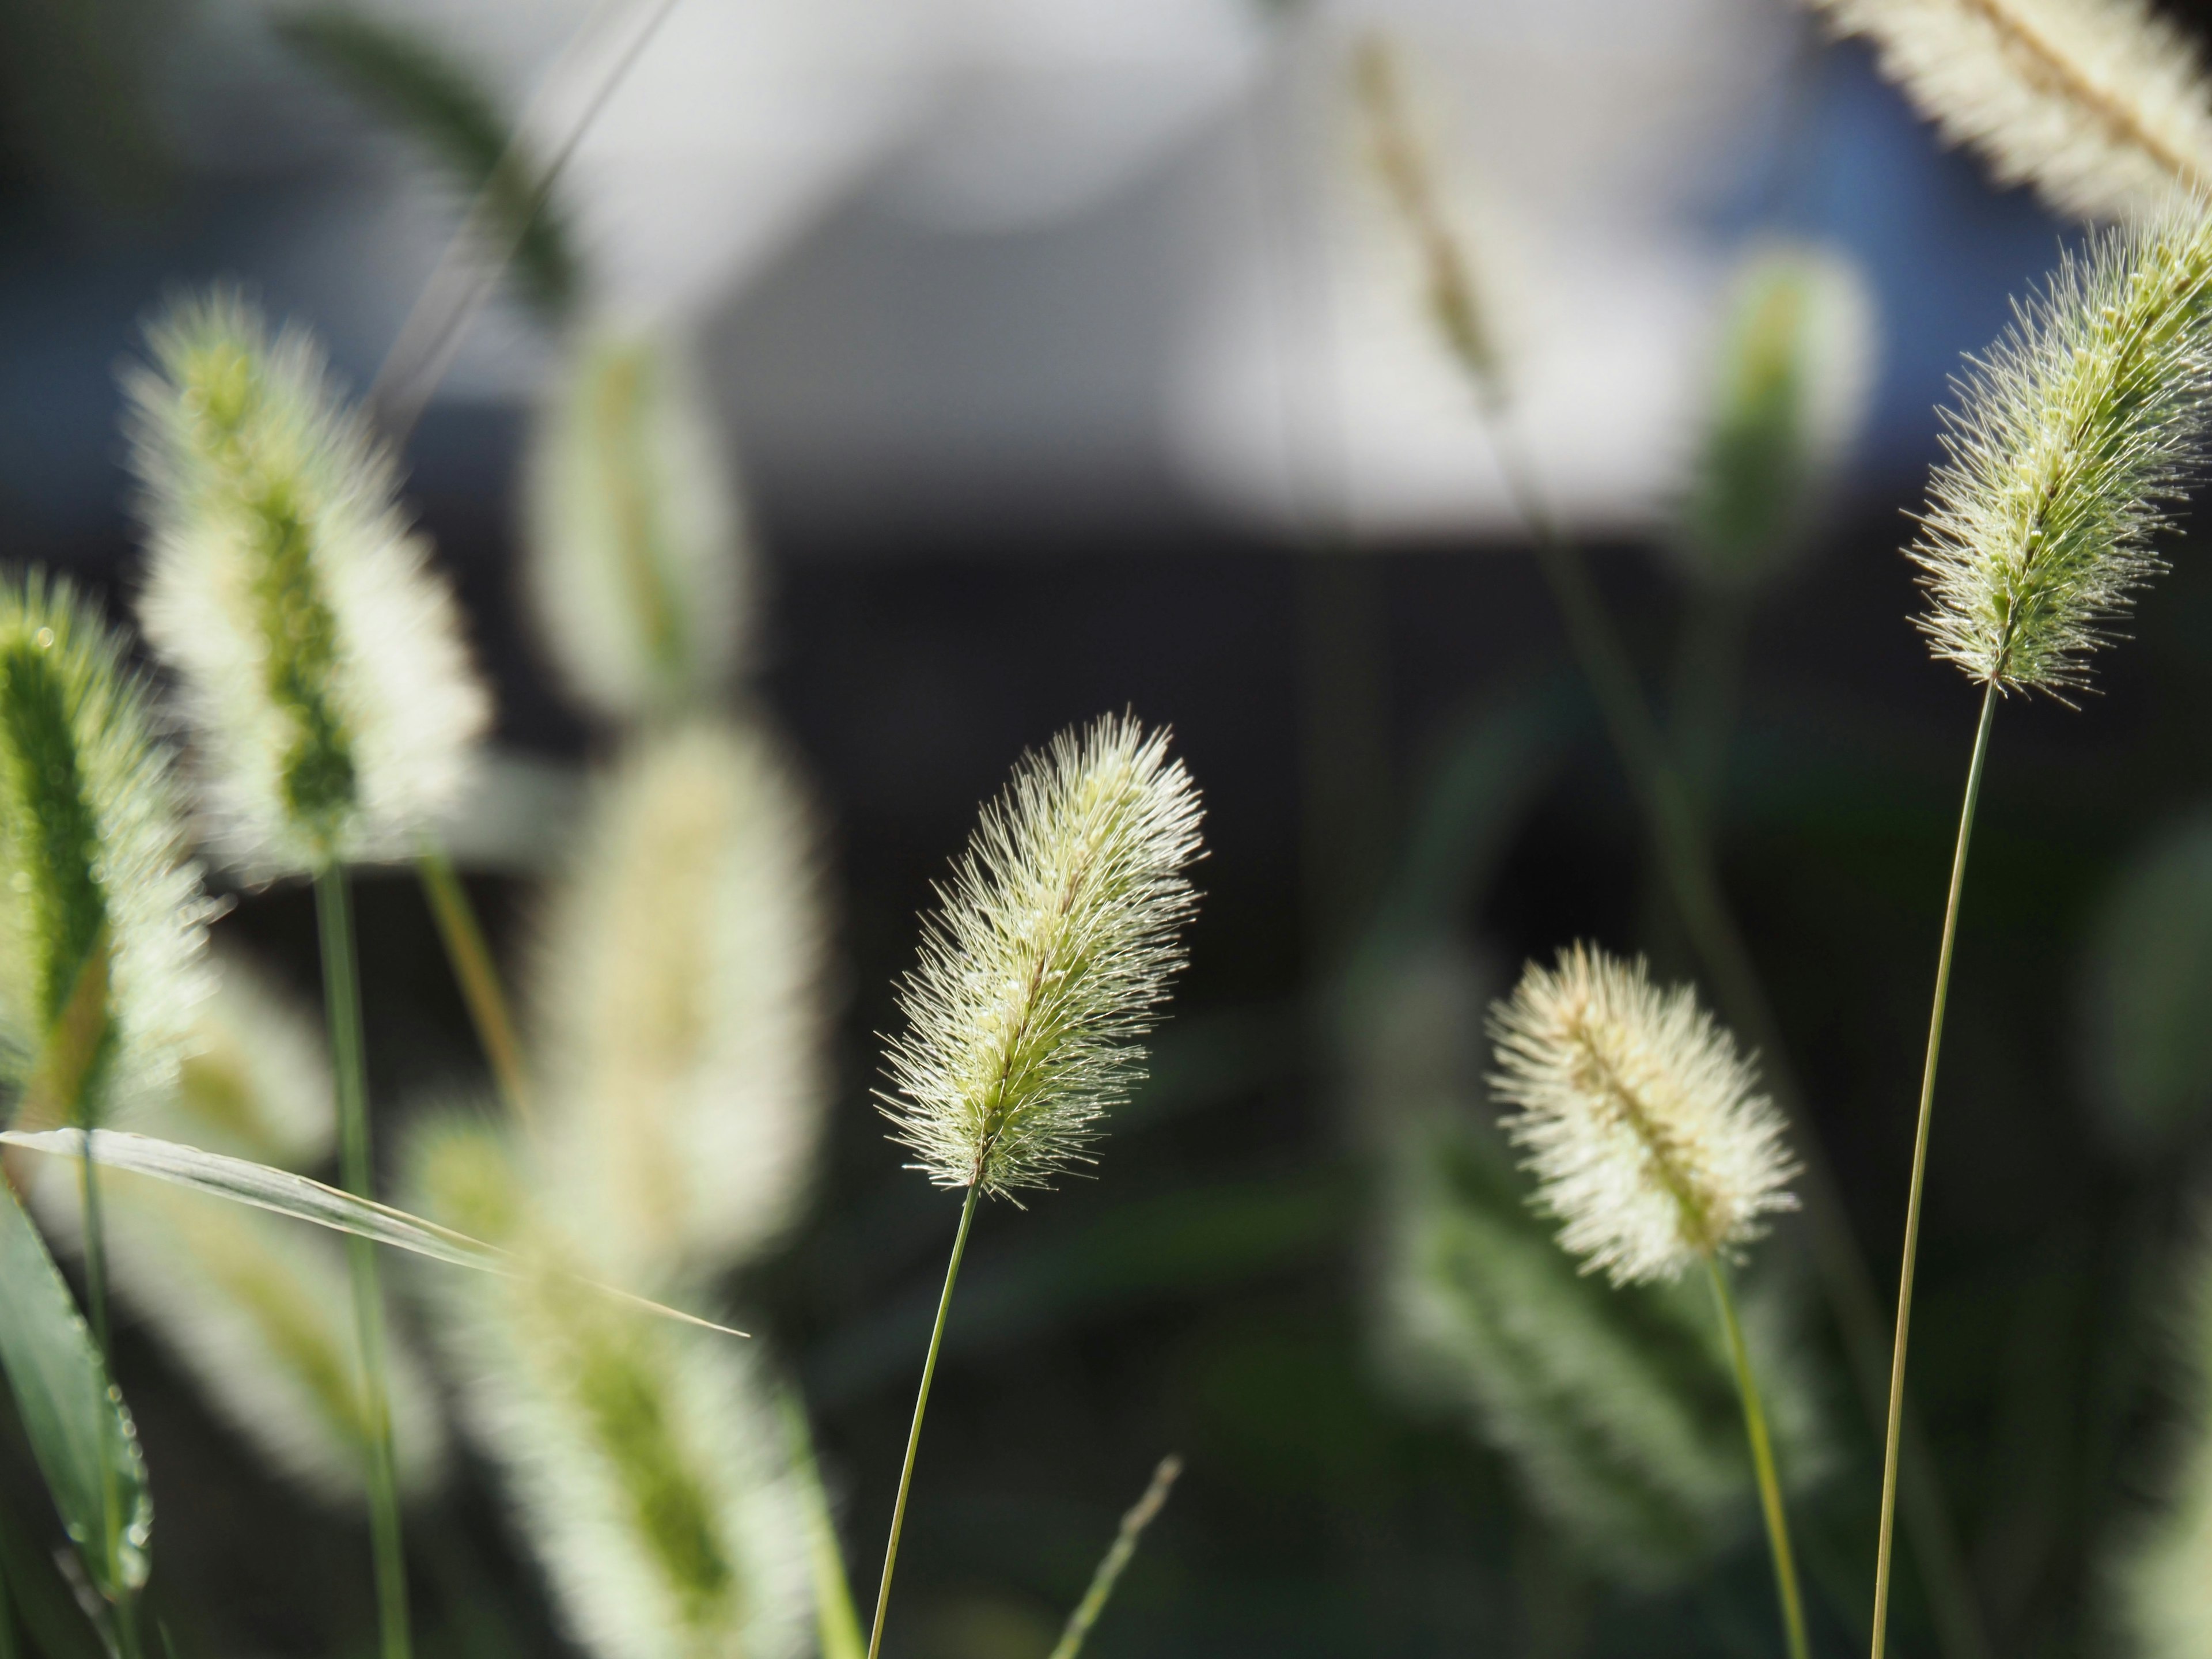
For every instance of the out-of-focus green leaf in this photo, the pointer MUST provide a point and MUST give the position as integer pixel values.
(40, 1597)
(2145, 997)
(837, 1620)
(410, 82)
(79, 1430)
(242, 1182)
(1616, 1407)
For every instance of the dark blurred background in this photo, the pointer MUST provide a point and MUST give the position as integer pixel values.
(980, 311)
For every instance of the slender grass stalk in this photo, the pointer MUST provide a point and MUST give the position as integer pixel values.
(1883, 1549)
(342, 997)
(1117, 1557)
(1762, 1461)
(921, 1406)
(477, 976)
(1682, 849)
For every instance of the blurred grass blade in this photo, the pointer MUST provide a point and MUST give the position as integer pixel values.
(836, 1617)
(1109, 1569)
(79, 1430)
(242, 1182)
(40, 1599)
(409, 82)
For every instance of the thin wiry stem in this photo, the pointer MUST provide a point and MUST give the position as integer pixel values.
(1762, 1462)
(341, 999)
(921, 1405)
(1109, 1569)
(1683, 851)
(1881, 1570)
(477, 976)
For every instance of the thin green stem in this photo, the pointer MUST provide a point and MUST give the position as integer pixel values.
(477, 974)
(1117, 1557)
(95, 1296)
(341, 1000)
(1762, 1462)
(1685, 857)
(921, 1405)
(1889, 1454)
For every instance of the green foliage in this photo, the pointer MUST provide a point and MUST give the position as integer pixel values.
(409, 81)
(2144, 998)
(79, 1429)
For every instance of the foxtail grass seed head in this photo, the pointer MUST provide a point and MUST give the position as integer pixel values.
(1043, 966)
(1639, 1118)
(103, 924)
(638, 567)
(1789, 390)
(2162, 1577)
(2077, 433)
(681, 1005)
(2102, 105)
(334, 705)
(646, 1469)
(255, 1082)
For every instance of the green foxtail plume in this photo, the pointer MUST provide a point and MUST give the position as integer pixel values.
(638, 567)
(680, 1006)
(1041, 970)
(2077, 431)
(333, 704)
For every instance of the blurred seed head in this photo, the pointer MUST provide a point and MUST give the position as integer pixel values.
(2077, 433)
(680, 1007)
(2102, 105)
(1640, 1120)
(2161, 1574)
(1042, 969)
(334, 705)
(256, 1082)
(638, 570)
(1790, 391)
(648, 1469)
(103, 923)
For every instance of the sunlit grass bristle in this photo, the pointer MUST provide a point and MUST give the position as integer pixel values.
(1041, 970)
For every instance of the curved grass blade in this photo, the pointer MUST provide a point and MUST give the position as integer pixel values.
(80, 1431)
(243, 1182)
(1109, 1569)
(837, 1618)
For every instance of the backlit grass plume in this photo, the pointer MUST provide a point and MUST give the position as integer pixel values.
(1790, 389)
(102, 918)
(680, 1005)
(2163, 1578)
(333, 702)
(637, 566)
(1040, 973)
(646, 1469)
(1053, 946)
(2102, 105)
(2080, 430)
(2077, 431)
(1641, 1121)
(1647, 1138)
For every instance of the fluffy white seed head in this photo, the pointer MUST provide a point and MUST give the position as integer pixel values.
(256, 1081)
(2162, 1577)
(334, 705)
(638, 567)
(1790, 389)
(1639, 1118)
(1044, 967)
(103, 923)
(2077, 433)
(643, 1459)
(2102, 105)
(680, 1004)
